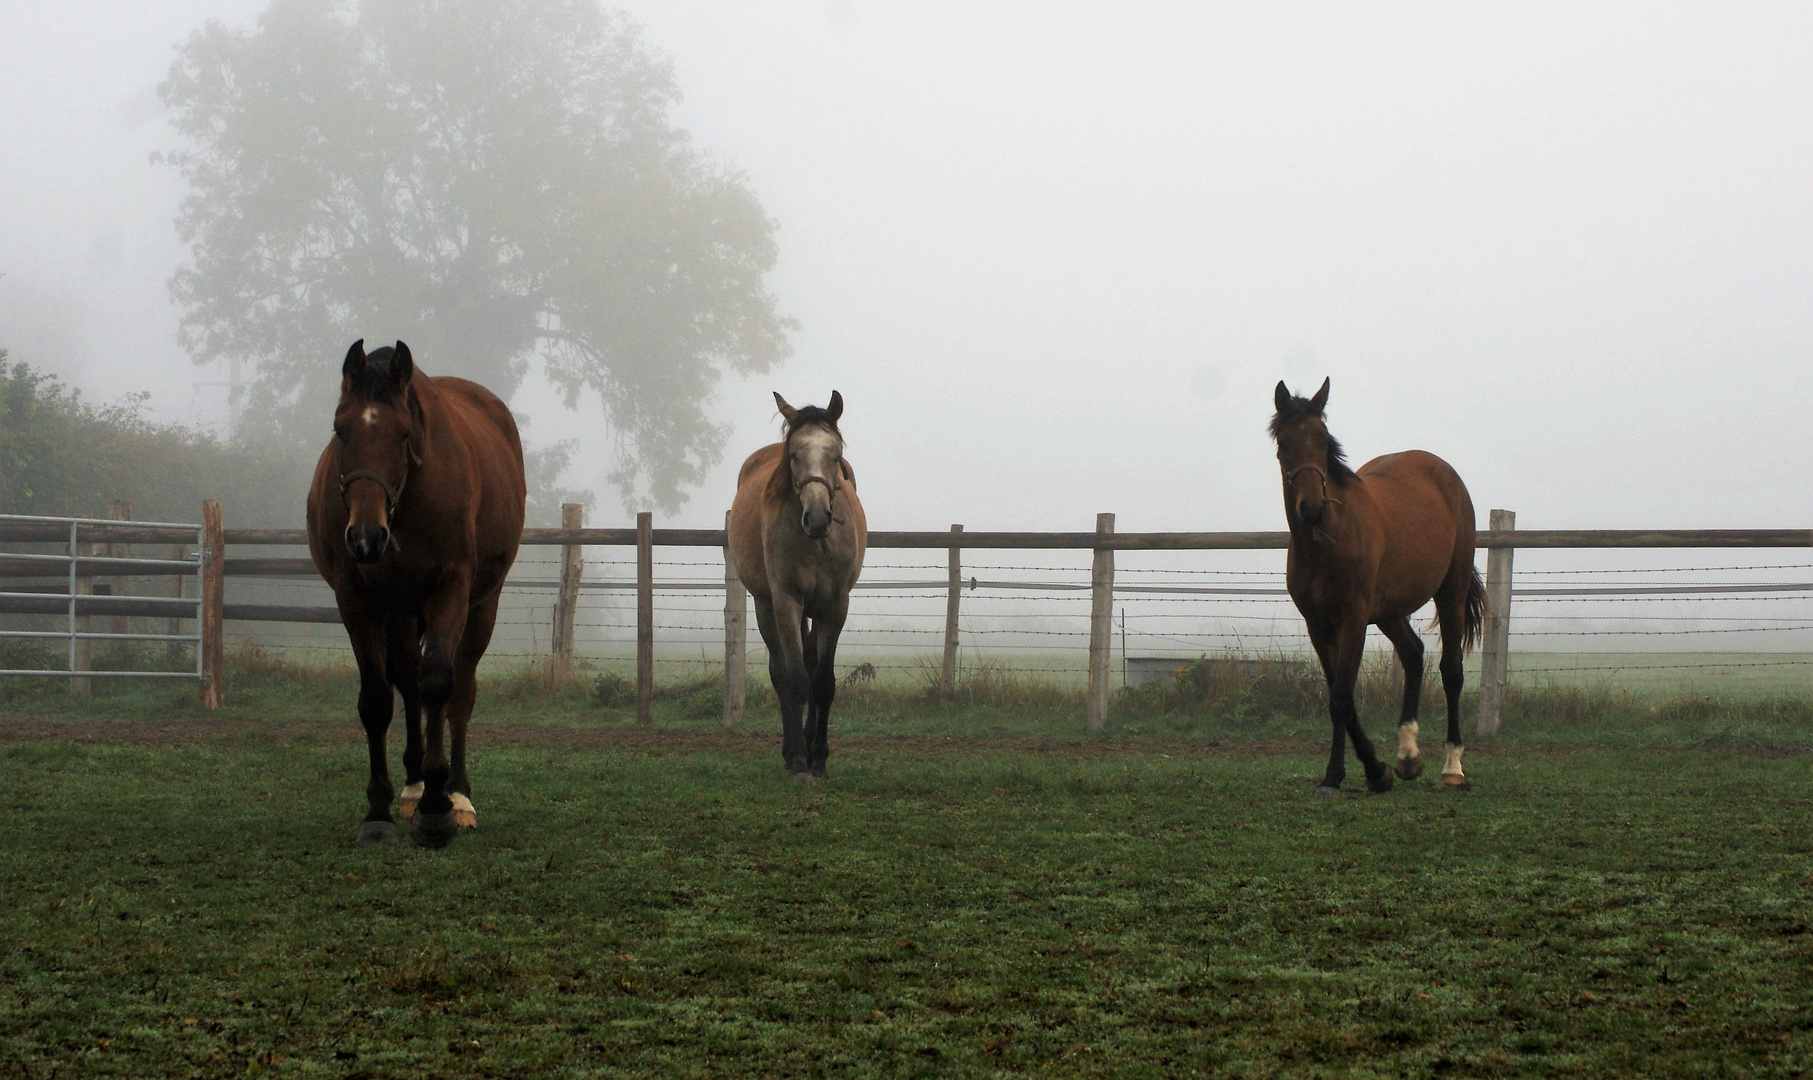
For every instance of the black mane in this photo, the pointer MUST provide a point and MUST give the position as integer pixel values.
(1298, 410)
(807, 415)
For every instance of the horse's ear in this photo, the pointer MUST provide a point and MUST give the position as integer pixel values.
(355, 361)
(788, 412)
(402, 366)
(1281, 396)
(1320, 401)
(836, 408)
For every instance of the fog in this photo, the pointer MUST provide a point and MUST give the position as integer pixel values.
(1055, 258)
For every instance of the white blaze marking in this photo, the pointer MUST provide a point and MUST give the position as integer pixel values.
(371, 415)
(1452, 767)
(1407, 741)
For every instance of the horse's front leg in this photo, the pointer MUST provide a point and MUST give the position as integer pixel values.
(405, 655)
(444, 616)
(1410, 654)
(479, 624)
(825, 633)
(374, 715)
(1349, 649)
(779, 621)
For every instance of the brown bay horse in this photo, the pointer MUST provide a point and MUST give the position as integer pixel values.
(797, 537)
(414, 517)
(1371, 548)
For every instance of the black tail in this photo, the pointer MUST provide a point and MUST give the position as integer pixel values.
(1476, 613)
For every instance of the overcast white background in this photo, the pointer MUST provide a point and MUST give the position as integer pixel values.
(1055, 257)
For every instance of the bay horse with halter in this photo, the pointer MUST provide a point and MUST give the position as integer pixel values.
(1370, 548)
(413, 518)
(797, 537)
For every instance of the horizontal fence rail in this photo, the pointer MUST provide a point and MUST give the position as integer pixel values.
(101, 548)
(23, 592)
(1147, 541)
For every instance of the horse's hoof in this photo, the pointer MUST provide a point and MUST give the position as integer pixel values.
(433, 830)
(802, 778)
(406, 809)
(1323, 791)
(1456, 781)
(378, 832)
(1380, 782)
(464, 815)
(1410, 768)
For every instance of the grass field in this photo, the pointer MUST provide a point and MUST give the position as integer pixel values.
(977, 890)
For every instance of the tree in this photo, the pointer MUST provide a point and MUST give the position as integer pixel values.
(496, 182)
(62, 455)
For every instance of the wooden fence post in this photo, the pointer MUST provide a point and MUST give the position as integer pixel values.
(566, 602)
(213, 606)
(1101, 626)
(736, 637)
(120, 510)
(1495, 659)
(645, 618)
(953, 597)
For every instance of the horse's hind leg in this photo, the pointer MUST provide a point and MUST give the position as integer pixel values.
(1410, 654)
(1451, 612)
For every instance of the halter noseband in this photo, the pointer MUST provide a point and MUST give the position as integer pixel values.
(1321, 474)
(391, 495)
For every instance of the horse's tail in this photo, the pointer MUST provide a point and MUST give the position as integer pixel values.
(1474, 623)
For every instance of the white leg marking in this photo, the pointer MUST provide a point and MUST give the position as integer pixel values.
(1452, 766)
(412, 794)
(1407, 741)
(463, 813)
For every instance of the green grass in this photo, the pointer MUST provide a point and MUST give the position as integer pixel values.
(980, 889)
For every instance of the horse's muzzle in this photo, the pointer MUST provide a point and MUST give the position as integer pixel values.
(367, 543)
(817, 523)
(1311, 515)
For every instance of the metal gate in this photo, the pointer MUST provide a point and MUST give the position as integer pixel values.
(77, 598)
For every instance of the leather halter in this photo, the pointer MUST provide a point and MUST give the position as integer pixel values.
(1321, 474)
(830, 492)
(391, 495)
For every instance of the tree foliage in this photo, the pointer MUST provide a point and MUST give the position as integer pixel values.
(496, 182)
(63, 456)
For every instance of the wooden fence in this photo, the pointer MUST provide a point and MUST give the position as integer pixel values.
(1500, 541)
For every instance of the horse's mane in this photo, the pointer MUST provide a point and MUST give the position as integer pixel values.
(1299, 409)
(807, 415)
(374, 383)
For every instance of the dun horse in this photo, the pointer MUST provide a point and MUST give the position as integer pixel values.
(797, 536)
(1371, 547)
(414, 517)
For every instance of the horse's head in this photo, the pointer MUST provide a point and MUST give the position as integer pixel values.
(815, 455)
(1308, 456)
(374, 424)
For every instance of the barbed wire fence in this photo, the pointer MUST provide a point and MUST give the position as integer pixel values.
(1668, 620)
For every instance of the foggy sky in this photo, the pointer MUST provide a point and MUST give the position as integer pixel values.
(1055, 258)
